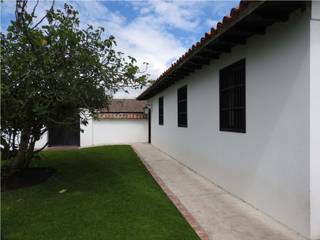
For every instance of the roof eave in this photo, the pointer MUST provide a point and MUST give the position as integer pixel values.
(173, 74)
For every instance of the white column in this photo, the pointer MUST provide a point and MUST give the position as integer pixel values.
(315, 121)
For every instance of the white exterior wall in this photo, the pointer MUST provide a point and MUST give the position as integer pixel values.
(315, 120)
(114, 131)
(42, 141)
(109, 131)
(269, 165)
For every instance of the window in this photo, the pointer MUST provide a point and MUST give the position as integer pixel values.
(160, 110)
(233, 98)
(182, 107)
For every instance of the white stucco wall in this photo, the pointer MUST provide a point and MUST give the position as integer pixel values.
(42, 141)
(314, 121)
(109, 131)
(269, 165)
(114, 131)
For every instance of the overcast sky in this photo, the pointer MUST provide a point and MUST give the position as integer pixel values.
(157, 32)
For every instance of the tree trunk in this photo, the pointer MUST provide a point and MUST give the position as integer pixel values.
(22, 157)
(29, 154)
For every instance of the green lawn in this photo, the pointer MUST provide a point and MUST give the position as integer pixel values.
(110, 195)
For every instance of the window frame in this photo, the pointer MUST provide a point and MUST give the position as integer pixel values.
(182, 122)
(161, 111)
(233, 91)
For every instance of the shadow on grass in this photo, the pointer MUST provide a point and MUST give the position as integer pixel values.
(96, 193)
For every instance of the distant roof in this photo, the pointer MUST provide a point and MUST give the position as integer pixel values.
(249, 18)
(125, 106)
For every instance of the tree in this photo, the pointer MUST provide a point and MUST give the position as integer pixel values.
(52, 72)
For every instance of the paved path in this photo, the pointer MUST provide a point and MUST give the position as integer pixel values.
(219, 214)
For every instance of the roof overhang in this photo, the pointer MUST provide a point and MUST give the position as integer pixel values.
(250, 18)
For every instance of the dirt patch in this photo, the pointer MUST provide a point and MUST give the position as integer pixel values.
(25, 178)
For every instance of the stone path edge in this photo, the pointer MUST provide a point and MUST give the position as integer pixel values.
(174, 199)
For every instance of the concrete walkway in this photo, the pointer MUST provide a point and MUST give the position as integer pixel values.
(219, 214)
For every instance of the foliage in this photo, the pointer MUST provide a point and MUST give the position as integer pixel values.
(52, 71)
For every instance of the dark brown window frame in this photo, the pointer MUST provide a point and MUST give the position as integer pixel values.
(182, 103)
(161, 113)
(232, 97)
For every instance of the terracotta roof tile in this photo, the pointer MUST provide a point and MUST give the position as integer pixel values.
(125, 106)
(109, 115)
(208, 36)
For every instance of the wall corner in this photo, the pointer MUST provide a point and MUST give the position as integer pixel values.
(315, 120)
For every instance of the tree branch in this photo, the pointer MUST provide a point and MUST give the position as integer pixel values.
(44, 17)
(34, 8)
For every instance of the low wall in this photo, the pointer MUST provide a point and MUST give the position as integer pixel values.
(114, 131)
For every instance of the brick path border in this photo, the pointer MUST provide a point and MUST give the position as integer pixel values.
(174, 199)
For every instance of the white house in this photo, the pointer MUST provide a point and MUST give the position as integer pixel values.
(242, 108)
(124, 121)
